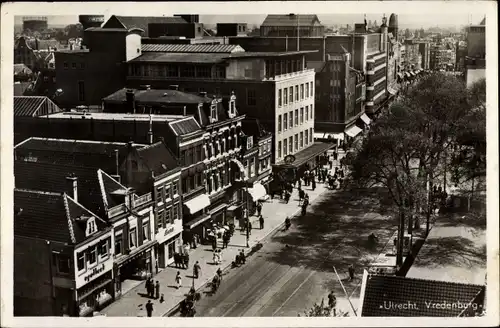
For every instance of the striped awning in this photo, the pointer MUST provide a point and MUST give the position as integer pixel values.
(353, 131)
(365, 119)
(198, 203)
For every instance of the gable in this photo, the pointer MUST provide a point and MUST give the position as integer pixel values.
(113, 22)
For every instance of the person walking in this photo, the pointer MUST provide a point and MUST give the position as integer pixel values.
(148, 287)
(261, 221)
(214, 243)
(351, 272)
(259, 208)
(157, 290)
(149, 308)
(186, 260)
(301, 195)
(225, 240)
(178, 280)
(195, 241)
(332, 300)
(219, 273)
(249, 228)
(196, 270)
(313, 184)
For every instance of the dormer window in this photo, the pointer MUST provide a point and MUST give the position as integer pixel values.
(249, 142)
(91, 227)
(213, 113)
(232, 108)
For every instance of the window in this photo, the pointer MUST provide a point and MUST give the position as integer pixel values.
(290, 99)
(73, 65)
(285, 147)
(187, 71)
(213, 113)
(92, 255)
(285, 96)
(172, 71)
(307, 90)
(279, 149)
(296, 117)
(296, 93)
(220, 72)
(232, 107)
(252, 166)
(251, 97)
(80, 261)
(146, 231)
(311, 111)
(307, 137)
(203, 71)
(65, 65)
(46, 78)
(290, 117)
(62, 263)
(285, 122)
(168, 216)
(290, 144)
(53, 79)
(311, 89)
(82, 65)
(279, 97)
(307, 113)
(296, 141)
(118, 243)
(249, 142)
(198, 154)
(311, 134)
(81, 91)
(159, 219)
(175, 188)
(132, 241)
(301, 139)
(167, 193)
(301, 91)
(103, 248)
(301, 115)
(279, 123)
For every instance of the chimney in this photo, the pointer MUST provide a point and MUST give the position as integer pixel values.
(130, 96)
(174, 87)
(116, 176)
(72, 188)
(184, 112)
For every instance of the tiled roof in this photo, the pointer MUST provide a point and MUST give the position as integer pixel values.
(185, 126)
(51, 216)
(192, 48)
(34, 106)
(157, 96)
(290, 20)
(108, 185)
(22, 69)
(52, 178)
(158, 158)
(381, 291)
(161, 57)
(142, 22)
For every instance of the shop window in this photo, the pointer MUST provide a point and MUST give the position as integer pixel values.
(62, 263)
(80, 261)
(92, 255)
(146, 231)
(104, 248)
(132, 240)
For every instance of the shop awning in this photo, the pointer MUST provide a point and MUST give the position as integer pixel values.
(198, 203)
(339, 136)
(326, 135)
(199, 220)
(353, 131)
(257, 191)
(365, 119)
(305, 155)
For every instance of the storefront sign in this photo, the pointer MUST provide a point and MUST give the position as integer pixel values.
(169, 231)
(164, 234)
(94, 273)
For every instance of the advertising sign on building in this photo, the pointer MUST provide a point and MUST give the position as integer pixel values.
(94, 273)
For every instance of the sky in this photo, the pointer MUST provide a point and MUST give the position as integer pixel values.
(405, 20)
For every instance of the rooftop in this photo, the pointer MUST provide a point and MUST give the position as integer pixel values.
(185, 126)
(140, 22)
(290, 20)
(159, 96)
(270, 54)
(161, 57)
(31, 106)
(114, 116)
(192, 48)
(158, 158)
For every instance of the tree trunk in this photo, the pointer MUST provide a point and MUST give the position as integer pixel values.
(429, 204)
(401, 233)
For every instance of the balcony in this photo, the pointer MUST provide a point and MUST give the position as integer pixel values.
(116, 210)
(286, 76)
(138, 201)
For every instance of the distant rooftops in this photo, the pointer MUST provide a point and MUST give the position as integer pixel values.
(291, 20)
(158, 96)
(114, 116)
(192, 48)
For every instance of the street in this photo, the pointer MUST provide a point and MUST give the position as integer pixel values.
(294, 269)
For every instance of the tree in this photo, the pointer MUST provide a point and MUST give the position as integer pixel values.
(322, 310)
(74, 31)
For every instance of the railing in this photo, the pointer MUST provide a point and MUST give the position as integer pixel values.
(143, 199)
(289, 75)
(116, 210)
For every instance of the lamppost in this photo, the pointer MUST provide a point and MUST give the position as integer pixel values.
(247, 216)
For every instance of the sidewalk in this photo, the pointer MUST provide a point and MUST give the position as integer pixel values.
(274, 212)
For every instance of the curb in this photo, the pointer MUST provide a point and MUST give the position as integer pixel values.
(175, 309)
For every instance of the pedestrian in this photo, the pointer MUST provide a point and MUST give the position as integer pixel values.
(196, 270)
(178, 280)
(300, 183)
(195, 241)
(186, 260)
(219, 273)
(287, 197)
(242, 257)
(313, 185)
(332, 300)
(148, 286)
(351, 272)
(304, 209)
(157, 290)
(259, 208)
(335, 155)
(214, 257)
(225, 240)
(214, 243)
(149, 308)
(261, 221)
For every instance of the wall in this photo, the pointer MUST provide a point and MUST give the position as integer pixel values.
(189, 30)
(132, 46)
(476, 41)
(250, 69)
(33, 294)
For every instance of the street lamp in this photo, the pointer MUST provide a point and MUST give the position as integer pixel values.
(247, 217)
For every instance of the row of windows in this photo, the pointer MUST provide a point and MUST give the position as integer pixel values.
(74, 65)
(217, 179)
(294, 143)
(162, 70)
(265, 147)
(288, 118)
(191, 182)
(132, 238)
(286, 95)
(93, 255)
(167, 216)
